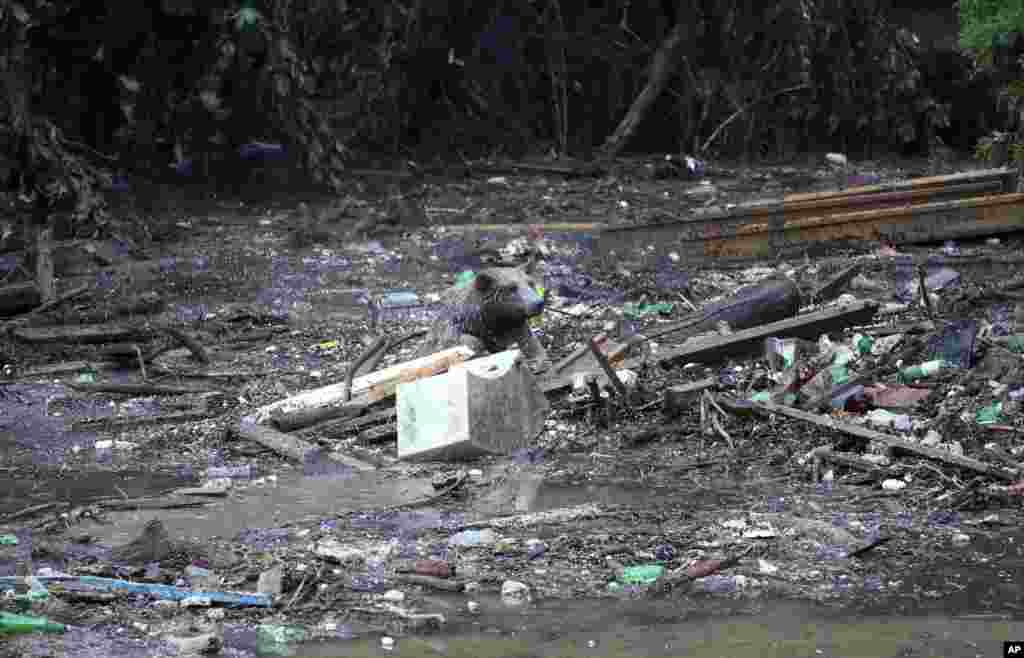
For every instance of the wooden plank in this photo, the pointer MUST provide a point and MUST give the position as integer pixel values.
(748, 341)
(373, 385)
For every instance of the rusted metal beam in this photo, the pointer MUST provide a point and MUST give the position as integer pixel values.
(1005, 176)
(779, 212)
(749, 235)
(838, 203)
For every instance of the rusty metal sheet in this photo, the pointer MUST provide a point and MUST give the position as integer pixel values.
(766, 235)
(836, 204)
(1006, 176)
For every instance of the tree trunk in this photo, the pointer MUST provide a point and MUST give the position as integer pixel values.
(663, 66)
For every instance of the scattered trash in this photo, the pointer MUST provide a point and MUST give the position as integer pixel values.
(467, 538)
(449, 415)
(990, 414)
(515, 592)
(837, 159)
(814, 362)
(631, 310)
(275, 639)
(641, 575)
(12, 624)
(921, 371)
(887, 419)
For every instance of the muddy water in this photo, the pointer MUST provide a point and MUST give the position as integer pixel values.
(79, 487)
(761, 630)
(270, 504)
(980, 584)
(591, 629)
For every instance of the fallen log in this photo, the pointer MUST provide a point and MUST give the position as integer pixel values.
(49, 305)
(290, 446)
(135, 389)
(305, 417)
(93, 333)
(143, 304)
(891, 442)
(663, 66)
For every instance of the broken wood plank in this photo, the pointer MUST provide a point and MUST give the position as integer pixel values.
(135, 389)
(748, 341)
(337, 429)
(771, 300)
(751, 341)
(892, 442)
(411, 371)
(834, 286)
(382, 382)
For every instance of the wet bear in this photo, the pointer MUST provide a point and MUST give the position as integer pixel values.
(490, 313)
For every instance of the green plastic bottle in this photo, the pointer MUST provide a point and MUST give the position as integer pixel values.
(1013, 343)
(863, 344)
(926, 369)
(644, 574)
(11, 624)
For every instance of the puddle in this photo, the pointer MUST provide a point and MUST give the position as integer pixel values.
(78, 488)
(552, 496)
(693, 628)
(270, 504)
(690, 626)
(758, 637)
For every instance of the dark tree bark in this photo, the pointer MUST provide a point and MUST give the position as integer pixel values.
(663, 66)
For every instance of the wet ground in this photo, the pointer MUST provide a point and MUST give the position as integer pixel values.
(913, 619)
(578, 629)
(944, 601)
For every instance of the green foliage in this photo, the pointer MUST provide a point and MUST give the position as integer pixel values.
(1015, 151)
(984, 22)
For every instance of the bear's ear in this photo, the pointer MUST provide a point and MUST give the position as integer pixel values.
(483, 281)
